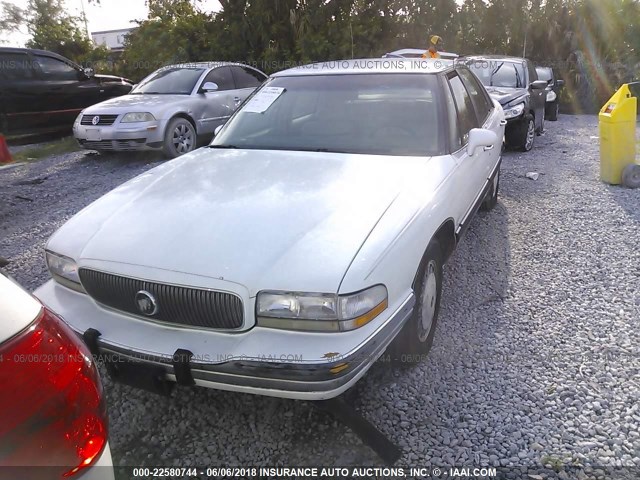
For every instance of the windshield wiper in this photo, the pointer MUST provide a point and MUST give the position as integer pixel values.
(223, 146)
(493, 73)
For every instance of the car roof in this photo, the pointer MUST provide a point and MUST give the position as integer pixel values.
(211, 64)
(37, 52)
(506, 58)
(368, 65)
(420, 51)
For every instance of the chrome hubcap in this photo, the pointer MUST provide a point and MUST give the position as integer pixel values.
(531, 133)
(429, 298)
(183, 138)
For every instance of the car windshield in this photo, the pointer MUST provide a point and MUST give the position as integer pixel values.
(544, 74)
(494, 73)
(170, 80)
(379, 114)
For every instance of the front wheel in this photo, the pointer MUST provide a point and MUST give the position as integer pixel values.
(179, 138)
(414, 341)
(522, 134)
(554, 111)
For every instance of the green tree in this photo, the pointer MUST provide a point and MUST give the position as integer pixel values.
(50, 26)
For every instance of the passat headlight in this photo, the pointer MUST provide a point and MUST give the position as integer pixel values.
(77, 120)
(64, 271)
(134, 117)
(513, 112)
(319, 311)
(551, 96)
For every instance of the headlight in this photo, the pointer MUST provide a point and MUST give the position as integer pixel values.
(318, 311)
(513, 112)
(137, 117)
(64, 271)
(551, 96)
(77, 120)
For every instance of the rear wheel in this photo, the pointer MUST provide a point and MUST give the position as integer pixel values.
(414, 341)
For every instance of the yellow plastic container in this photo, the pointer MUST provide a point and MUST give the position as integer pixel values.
(617, 124)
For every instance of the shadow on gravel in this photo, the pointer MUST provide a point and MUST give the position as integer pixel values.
(628, 199)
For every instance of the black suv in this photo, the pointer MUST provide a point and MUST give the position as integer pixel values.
(43, 91)
(552, 108)
(514, 83)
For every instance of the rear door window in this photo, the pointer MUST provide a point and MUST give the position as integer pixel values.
(15, 66)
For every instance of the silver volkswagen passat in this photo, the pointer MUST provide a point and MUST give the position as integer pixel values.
(171, 109)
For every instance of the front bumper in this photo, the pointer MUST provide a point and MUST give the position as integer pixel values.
(247, 362)
(121, 136)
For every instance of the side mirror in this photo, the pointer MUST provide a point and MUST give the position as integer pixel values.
(217, 130)
(560, 83)
(209, 87)
(538, 85)
(480, 137)
(88, 72)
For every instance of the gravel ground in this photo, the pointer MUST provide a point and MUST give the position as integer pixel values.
(535, 361)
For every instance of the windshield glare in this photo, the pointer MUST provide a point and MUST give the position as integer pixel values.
(498, 73)
(172, 80)
(380, 114)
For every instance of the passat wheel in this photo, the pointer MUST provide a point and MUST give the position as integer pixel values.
(414, 341)
(180, 137)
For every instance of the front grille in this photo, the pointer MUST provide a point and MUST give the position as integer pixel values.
(103, 120)
(187, 306)
(131, 144)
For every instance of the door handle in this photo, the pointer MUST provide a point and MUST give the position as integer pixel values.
(503, 123)
(486, 149)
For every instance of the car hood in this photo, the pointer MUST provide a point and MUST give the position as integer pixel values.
(126, 103)
(262, 219)
(504, 95)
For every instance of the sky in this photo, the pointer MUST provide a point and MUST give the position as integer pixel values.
(109, 15)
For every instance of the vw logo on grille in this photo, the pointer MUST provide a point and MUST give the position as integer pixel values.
(146, 303)
(95, 120)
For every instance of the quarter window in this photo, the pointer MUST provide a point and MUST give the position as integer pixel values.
(466, 115)
(247, 78)
(479, 97)
(54, 69)
(15, 66)
(222, 77)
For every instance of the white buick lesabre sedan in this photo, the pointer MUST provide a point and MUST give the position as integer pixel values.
(307, 239)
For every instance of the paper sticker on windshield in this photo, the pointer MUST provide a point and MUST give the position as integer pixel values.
(262, 100)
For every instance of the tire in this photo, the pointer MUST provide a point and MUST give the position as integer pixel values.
(522, 134)
(631, 176)
(179, 138)
(414, 341)
(553, 113)
(491, 200)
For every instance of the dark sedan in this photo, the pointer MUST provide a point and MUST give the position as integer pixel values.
(42, 91)
(514, 83)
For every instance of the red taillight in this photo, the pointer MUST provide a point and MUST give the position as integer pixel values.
(52, 411)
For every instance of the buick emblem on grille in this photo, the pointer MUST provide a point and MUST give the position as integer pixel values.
(95, 120)
(146, 303)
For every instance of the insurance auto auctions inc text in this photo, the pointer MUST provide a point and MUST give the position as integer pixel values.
(376, 472)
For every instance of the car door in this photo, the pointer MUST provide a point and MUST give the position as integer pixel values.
(61, 90)
(19, 109)
(218, 105)
(538, 97)
(247, 80)
(471, 176)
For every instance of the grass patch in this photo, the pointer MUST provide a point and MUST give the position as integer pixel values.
(38, 152)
